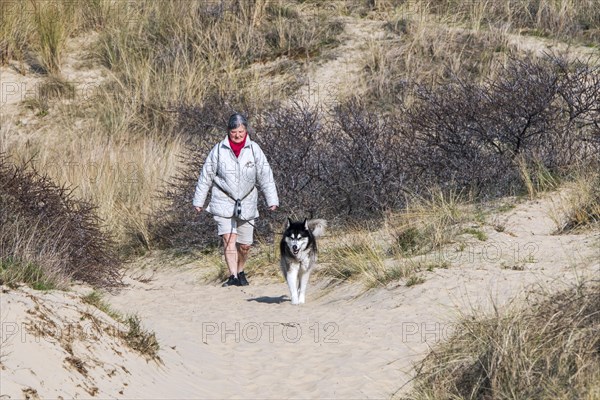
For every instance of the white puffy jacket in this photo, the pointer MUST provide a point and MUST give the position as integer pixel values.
(238, 177)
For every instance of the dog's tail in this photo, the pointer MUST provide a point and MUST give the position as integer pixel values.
(317, 226)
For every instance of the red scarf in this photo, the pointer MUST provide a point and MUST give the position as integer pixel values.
(237, 147)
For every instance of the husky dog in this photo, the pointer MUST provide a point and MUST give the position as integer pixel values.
(299, 254)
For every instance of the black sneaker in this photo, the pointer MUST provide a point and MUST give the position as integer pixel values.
(242, 279)
(232, 281)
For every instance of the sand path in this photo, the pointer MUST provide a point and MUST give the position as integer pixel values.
(346, 343)
(336, 76)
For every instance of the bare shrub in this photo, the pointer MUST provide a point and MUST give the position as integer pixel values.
(472, 135)
(365, 172)
(294, 138)
(340, 167)
(44, 225)
(460, 137)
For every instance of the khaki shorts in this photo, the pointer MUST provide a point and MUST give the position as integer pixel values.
(243, 229)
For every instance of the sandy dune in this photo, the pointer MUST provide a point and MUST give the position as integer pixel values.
(252, 343)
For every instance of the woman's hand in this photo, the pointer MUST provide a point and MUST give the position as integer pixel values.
(199, 209)
(273, 208)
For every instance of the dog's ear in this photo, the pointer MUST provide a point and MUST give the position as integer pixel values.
(289, 223)
(306, 224)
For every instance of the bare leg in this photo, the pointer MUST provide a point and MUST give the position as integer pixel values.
(242, 255)
(231, 253)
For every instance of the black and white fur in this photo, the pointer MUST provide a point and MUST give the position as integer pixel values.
(299, 254)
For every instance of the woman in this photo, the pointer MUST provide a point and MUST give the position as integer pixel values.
(233, 168)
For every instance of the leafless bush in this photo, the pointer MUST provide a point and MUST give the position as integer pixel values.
(338, 166)
(43, 224)
(366, 171)
(472, 135)
(295, 140)
(357, 163)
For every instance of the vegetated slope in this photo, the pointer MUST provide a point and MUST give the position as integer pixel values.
(365, 344)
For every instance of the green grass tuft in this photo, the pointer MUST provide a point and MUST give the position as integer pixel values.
(477, 233)
(414, 280)
(13, 273)
(141, 340)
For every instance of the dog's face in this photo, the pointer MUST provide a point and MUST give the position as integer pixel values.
(297, 236)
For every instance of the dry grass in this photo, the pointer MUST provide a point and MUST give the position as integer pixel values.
(422, 47)
(14, 273)
(15, 31)
(567, 20)
(27, 257)
(391, 253)
(53, 21)
(359, 256)
(387, 255)
(428, 42)
(140, 339)
(428, 222)
(122, 177)
(536, 177)
(264, 261)
(212, 261)
(367, 257)
(172, 55)
(580, 206)
(549, 350)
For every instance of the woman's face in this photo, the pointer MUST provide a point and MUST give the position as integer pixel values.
(238, 134)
